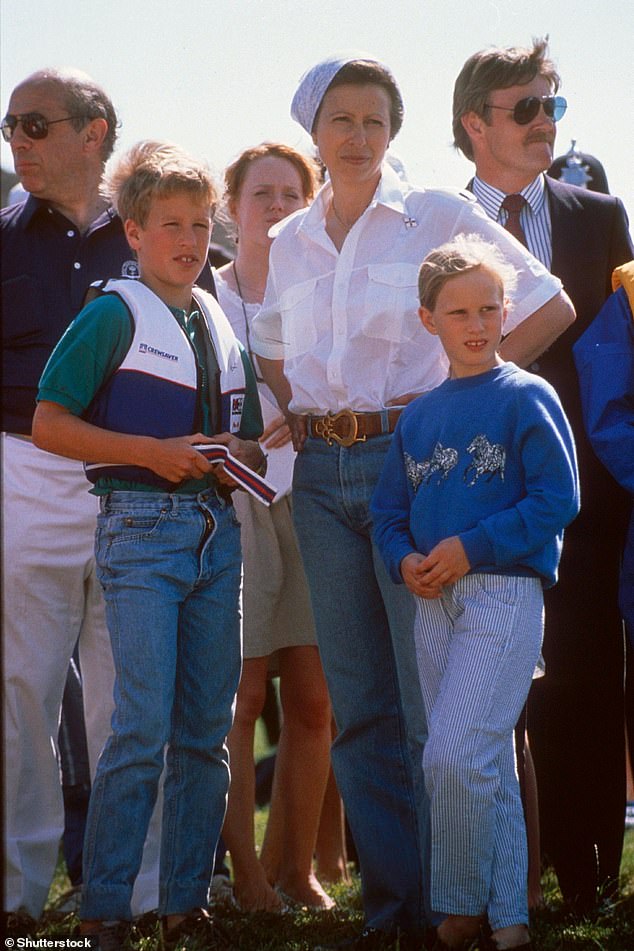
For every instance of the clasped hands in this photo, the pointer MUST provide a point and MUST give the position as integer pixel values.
(426, 575)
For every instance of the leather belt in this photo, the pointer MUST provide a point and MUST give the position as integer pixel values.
(347, 427)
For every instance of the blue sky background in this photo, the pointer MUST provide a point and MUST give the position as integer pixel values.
(218, 75)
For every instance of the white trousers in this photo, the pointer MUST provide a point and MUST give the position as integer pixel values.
(51, 601)
(477, 647)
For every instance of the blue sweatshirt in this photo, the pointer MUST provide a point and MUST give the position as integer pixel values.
(489, 458)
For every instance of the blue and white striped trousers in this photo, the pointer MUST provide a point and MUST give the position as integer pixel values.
(477, 646)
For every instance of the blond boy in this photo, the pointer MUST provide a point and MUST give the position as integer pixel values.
(147, 370)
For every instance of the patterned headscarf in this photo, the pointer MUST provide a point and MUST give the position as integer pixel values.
(315, 81)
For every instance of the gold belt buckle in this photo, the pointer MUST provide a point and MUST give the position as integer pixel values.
(325, 428)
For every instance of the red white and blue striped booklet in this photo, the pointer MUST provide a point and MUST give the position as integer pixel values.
(245, 477)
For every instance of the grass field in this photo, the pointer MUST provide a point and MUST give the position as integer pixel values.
(552, 930)
(611, 930)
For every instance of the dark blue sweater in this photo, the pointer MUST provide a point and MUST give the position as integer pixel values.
(489, 458)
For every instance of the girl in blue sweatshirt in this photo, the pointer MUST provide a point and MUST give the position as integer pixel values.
(479, 483)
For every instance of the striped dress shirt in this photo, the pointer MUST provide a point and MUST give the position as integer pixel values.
(534, 217)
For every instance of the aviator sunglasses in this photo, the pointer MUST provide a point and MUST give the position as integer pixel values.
(34, 125)
(525, 110)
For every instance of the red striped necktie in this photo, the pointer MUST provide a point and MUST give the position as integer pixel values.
(513, 204)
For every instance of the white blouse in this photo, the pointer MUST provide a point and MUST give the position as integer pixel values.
(280, 461)
(346, 323)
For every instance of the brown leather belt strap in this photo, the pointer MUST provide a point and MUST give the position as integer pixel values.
(347, 427)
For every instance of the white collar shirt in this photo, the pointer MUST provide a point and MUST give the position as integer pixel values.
(346, 323)
(534, 217)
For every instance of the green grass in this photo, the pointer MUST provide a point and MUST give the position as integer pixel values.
(301, 930)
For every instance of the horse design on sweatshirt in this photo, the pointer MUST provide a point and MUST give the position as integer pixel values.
(441, 461)
(488, 459)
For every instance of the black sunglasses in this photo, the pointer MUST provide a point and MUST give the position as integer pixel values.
(34, 125)
(525, 110)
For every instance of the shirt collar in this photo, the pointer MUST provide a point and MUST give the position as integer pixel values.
(390, 192)
(34, 207)
(491, 198)
(31, 207)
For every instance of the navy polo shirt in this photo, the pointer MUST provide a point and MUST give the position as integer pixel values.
(47, 267)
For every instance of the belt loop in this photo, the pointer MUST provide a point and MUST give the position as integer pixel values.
(385, 421)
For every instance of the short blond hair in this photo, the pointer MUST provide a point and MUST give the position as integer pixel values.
(466, 252)
(152, 170)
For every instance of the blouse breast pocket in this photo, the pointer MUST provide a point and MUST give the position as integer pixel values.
(391, 304)
(297, 307)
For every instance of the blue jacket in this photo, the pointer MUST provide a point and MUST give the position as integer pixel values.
(604, 356)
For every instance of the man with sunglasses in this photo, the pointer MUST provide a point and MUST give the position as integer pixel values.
(505, 110)
(62, 128)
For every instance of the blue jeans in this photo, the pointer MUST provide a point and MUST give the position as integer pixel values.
(365, 633)
(170, 568)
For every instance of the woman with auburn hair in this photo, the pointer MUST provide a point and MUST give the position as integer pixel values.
(262, 186)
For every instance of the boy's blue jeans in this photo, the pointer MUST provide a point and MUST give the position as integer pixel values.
(170, 567)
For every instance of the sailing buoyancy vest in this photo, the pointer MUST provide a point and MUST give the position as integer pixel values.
(154, 391)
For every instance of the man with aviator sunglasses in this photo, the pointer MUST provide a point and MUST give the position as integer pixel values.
(34, 125)
(505, 109)
(61, 128)
(525, 110)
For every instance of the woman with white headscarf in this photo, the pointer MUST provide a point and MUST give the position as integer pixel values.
(340, 343)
